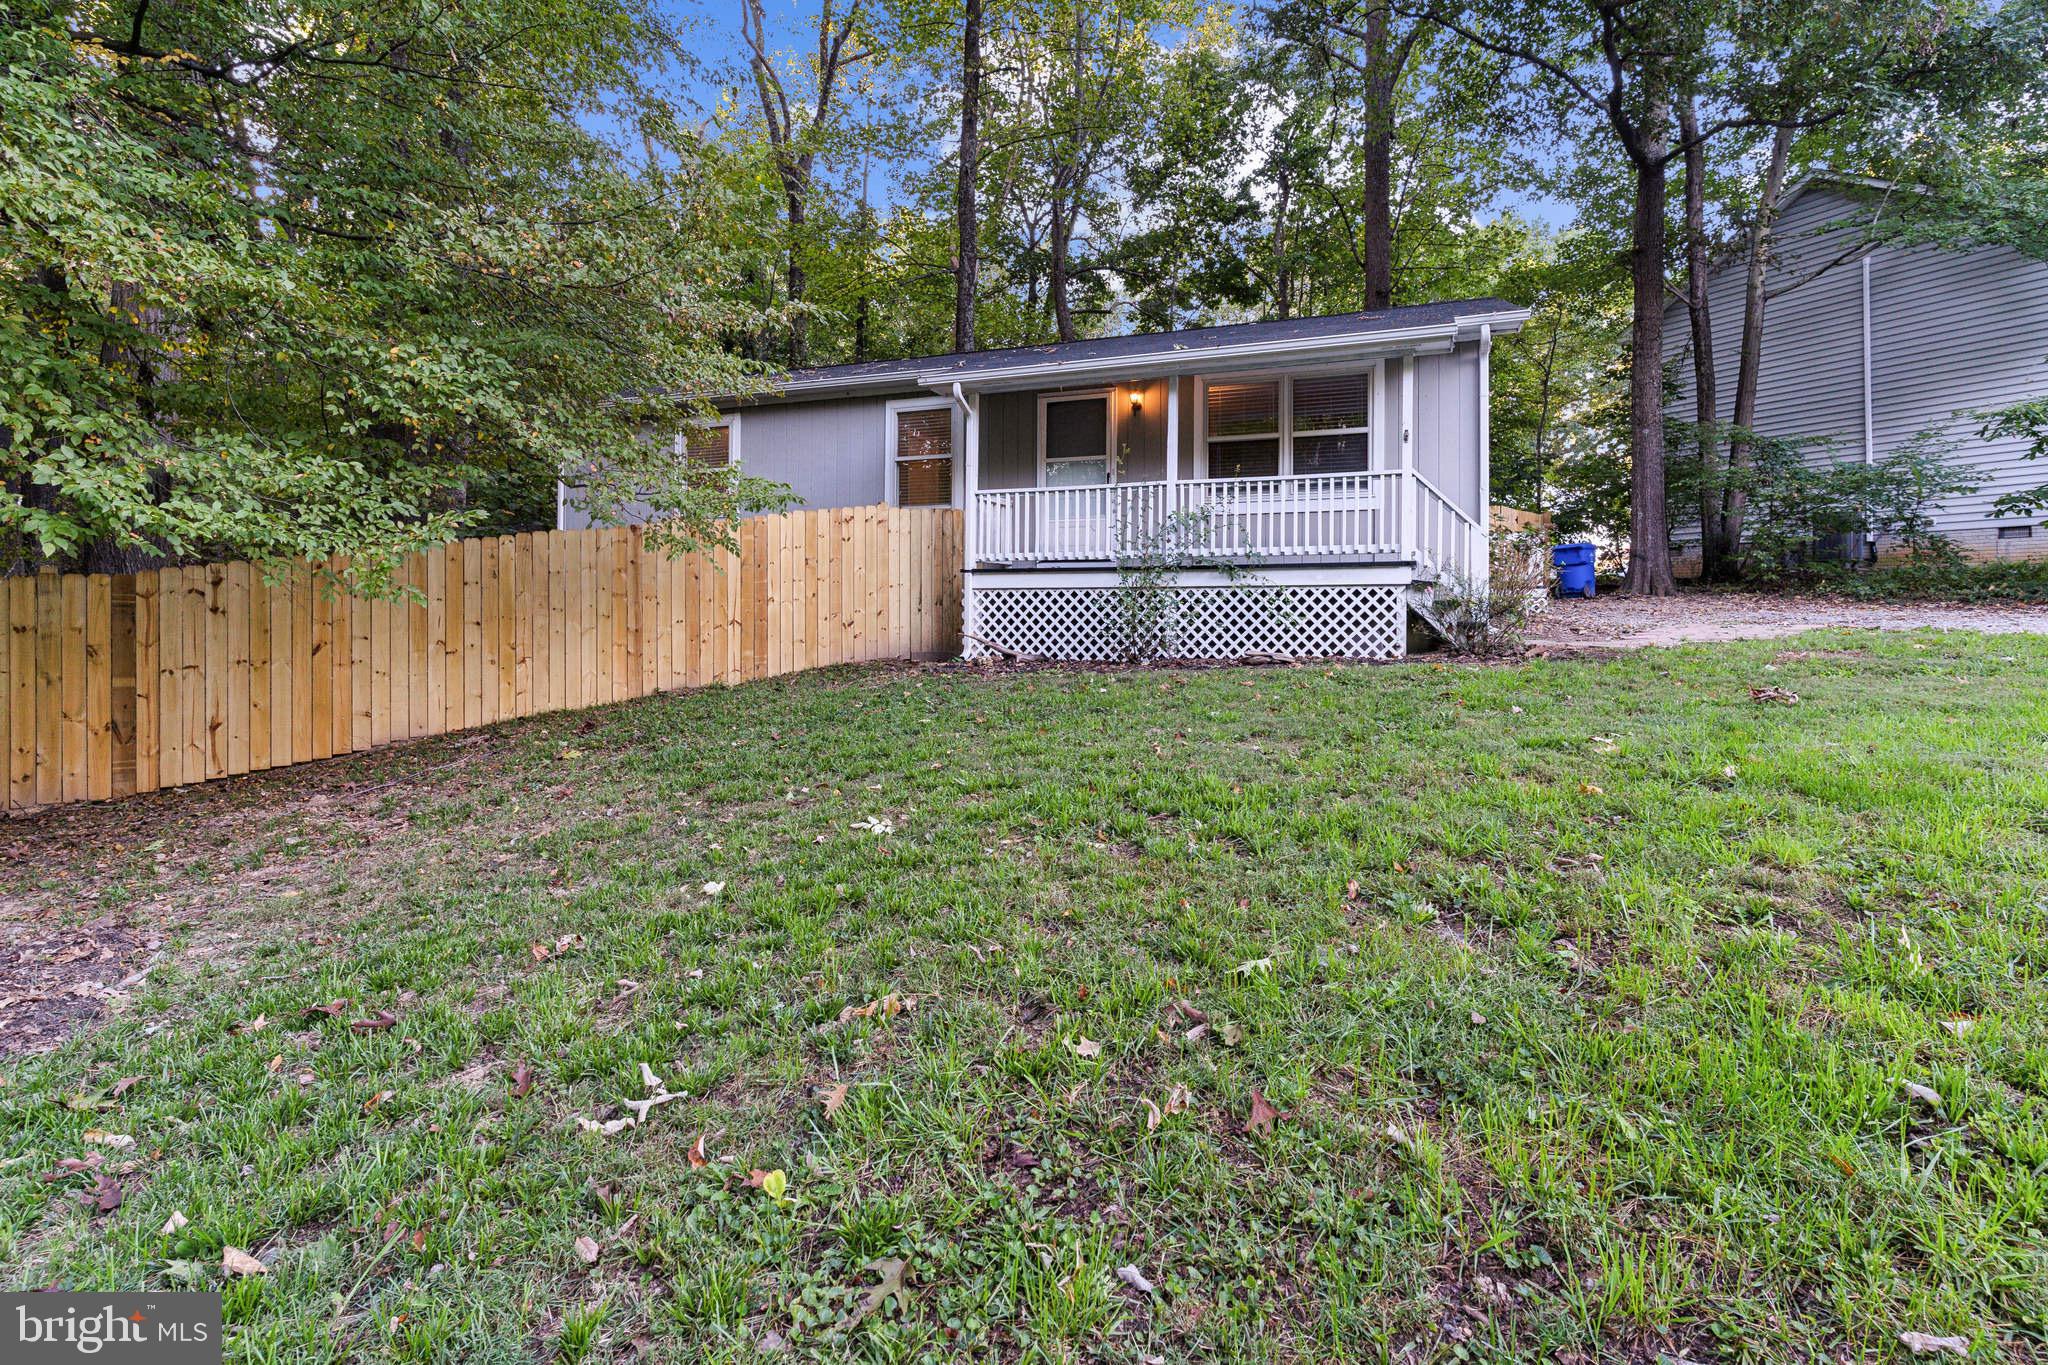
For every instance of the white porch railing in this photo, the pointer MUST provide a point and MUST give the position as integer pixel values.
(1361, 515)
(1447, 542)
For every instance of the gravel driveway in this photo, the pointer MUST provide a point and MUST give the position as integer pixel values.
(1618, 622)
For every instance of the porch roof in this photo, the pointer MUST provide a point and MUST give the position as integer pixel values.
(1424, 326)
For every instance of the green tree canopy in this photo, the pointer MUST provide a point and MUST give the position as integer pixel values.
(295, 283)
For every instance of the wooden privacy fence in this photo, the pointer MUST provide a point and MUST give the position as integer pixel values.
(124, 683)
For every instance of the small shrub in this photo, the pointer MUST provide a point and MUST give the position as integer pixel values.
(1150, 558)
(1492, 618)
(1946, 580)
(1800, 492)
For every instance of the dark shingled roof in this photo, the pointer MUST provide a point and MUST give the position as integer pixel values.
(1143, 345)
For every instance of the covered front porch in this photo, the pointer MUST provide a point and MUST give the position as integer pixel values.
(1294, 496)
(1294, 464)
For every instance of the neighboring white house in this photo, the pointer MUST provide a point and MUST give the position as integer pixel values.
(1867, 346)
(1336, 467)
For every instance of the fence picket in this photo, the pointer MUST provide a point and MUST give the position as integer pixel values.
(117, 684)
(147, 624)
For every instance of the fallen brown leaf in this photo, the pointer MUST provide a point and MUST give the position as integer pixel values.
(235, 1261)
(887, 1007)
(833, 1096)
(522, 1080)
(103, 1197)
(1262, 1116)
(892, 1270)
(330, 1009)
(587, 1251)
(376, 1023)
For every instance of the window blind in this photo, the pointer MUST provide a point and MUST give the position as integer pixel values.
(709, 446)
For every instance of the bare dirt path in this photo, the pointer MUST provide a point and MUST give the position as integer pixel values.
(1617, 622)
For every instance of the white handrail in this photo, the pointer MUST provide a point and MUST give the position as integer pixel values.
(1446, 538)
(1291, 517)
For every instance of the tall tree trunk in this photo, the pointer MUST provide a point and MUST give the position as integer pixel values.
(1058, 284)
(1378, 219)
(797, 281)
(1649, 552)
(1706, 394)
(1741, 443)
(1382, 83)
(966, 212)
(1283, 262)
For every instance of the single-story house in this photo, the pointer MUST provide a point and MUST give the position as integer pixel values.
(1865, 346)
(1283, 487)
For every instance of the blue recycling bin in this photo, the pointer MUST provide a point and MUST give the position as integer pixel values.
(1574, 565)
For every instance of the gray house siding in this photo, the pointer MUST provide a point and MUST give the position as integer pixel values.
(832, 452)
(829, 451)
(1447, 427)
(1009, 440)
(1009, 434)
(1950, 334)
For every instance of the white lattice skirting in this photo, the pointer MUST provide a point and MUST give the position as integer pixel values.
(1354, 621)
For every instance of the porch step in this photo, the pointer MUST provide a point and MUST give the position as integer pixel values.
(1422, 602)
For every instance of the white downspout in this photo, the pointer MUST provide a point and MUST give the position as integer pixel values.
(970, 530)
(1482, 530)
(1869, 426)
(1410, 495)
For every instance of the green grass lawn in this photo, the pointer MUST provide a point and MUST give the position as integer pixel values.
(1587, 995)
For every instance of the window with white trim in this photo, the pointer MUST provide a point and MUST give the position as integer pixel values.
(710, 445)
(921, 454)
(1244, 430)
(1308, 424)
(1076, 438)
(1328, 426)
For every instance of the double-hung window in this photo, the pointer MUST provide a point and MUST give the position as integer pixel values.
(921, 453)
(1295, 425)
(1328, 424)
(710, 446)
(1244, 430)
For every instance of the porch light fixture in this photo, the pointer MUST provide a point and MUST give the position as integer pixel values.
(1137, 399)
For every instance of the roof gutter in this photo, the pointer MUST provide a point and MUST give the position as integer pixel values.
(1435, 337)
(1432, 337)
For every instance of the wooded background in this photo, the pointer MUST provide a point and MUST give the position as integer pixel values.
(112, 684)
